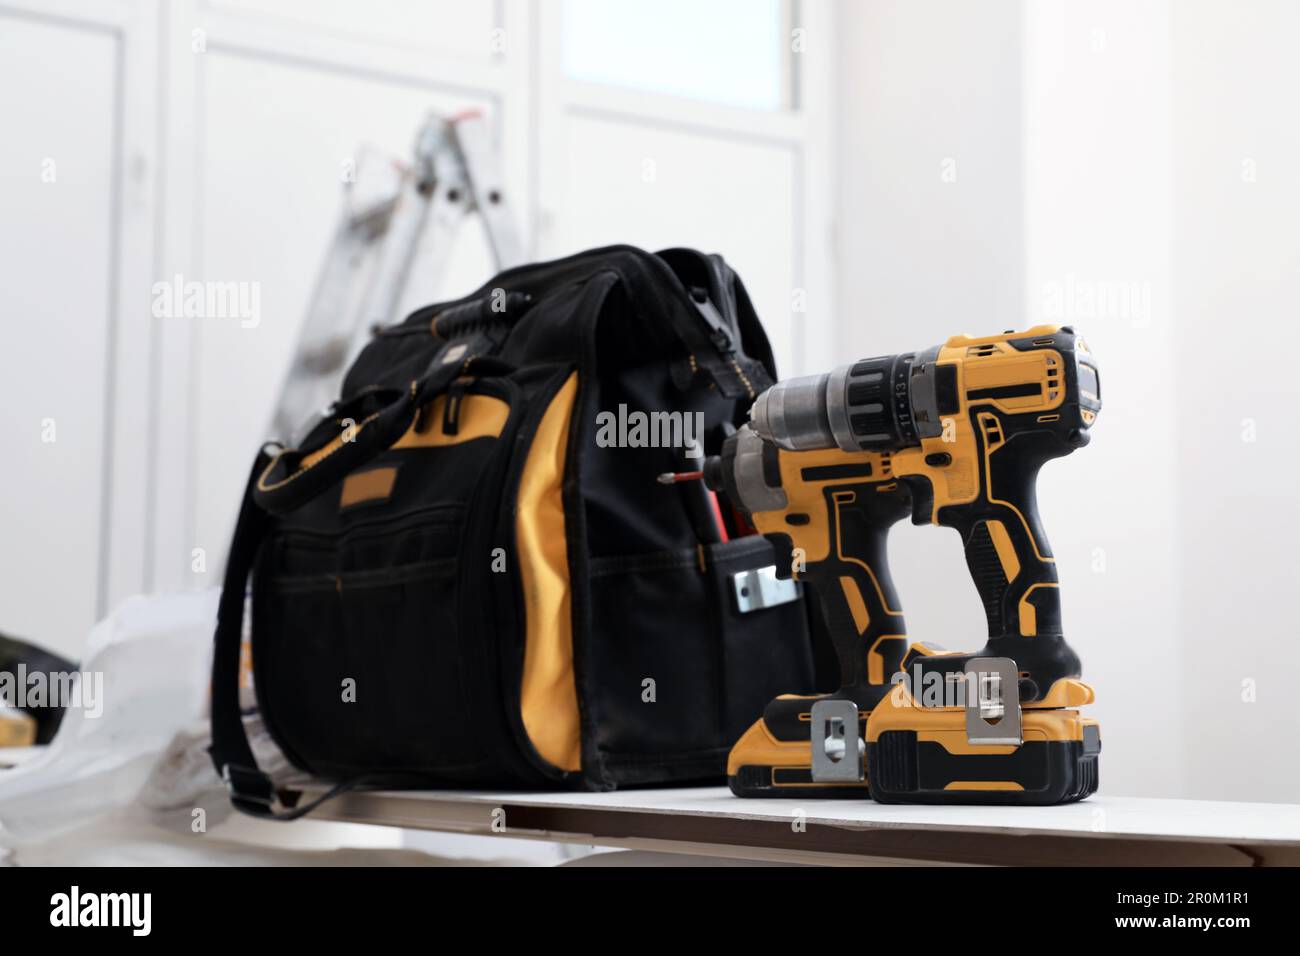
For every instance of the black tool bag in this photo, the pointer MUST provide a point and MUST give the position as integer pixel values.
(458, 579)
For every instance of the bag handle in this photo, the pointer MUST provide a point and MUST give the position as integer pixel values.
(498, 308)
(295, 476)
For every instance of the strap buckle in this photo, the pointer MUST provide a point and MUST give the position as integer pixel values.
(248, 785)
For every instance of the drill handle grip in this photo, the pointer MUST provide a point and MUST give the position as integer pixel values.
(856, 591)
(1009, 558)
(868, 631)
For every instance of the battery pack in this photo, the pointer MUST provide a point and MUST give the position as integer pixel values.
(921, 754)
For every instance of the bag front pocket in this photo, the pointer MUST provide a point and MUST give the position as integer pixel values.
(360, 673)
(361, 654)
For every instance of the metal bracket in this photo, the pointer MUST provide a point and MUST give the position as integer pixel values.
(993, 701)
(834, 758)
(760, 587)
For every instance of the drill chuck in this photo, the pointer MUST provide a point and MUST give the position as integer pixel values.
(864, 406)
(793, 414)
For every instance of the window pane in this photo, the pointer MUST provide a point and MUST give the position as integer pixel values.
(723, 51)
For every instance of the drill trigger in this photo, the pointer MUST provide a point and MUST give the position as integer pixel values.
(922, 493)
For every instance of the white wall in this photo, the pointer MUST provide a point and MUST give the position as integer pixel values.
(76, 221)
(1097, 200)
(1235, 259)
(54, 415)
(929, 225)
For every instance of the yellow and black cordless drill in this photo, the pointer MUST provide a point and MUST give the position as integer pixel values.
(832, 510)
(957, 433)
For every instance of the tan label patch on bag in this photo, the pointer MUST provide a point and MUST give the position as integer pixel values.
(17, 730)
(376, 484)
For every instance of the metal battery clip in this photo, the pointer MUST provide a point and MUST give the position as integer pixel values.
(993, 701)
(834, 723)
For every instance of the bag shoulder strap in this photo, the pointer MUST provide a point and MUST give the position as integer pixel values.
(251, 790)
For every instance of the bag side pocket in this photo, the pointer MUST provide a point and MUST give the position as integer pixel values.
(679, 670)
(765, 649)
(655, 660)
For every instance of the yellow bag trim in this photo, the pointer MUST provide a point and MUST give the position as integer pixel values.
(479, 416)
(548, 696)
(308, 461)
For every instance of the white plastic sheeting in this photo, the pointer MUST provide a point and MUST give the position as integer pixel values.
(153, 656)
